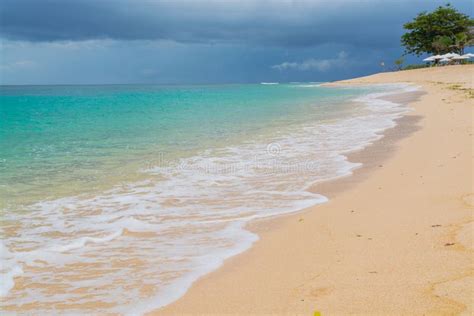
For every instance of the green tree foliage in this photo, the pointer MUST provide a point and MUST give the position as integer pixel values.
(442, 44)
(461, 40)
(439, 32)
(399, 63)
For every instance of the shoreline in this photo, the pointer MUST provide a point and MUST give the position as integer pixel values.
(247, 270)
(331, 187)
(180, 288)
(376, 153)
(370, 157)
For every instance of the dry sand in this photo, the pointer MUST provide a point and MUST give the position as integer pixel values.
(394, 239)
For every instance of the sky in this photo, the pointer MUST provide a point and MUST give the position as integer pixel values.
(201, 42)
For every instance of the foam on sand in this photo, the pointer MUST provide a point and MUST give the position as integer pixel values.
(140, 246)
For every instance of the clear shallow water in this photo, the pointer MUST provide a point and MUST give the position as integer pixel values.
(116, 198)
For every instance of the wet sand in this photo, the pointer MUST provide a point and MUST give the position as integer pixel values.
(395, 238)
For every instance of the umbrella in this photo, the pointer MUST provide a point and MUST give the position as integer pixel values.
(445, 60)
(450, 55)
(468, 55)
(460, 57)
(432, 58)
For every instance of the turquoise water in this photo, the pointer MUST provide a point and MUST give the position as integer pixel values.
(84, 135)
(117, 198)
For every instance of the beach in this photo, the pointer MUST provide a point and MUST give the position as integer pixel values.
(118, 198)
(394, 238)
(239, 199)
(236, 157)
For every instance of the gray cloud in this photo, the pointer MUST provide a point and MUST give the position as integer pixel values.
(18, 65)
(286, 23)
(200, 41)
(314, 64)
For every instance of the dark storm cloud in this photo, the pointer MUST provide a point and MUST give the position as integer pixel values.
(201, 41)
(282, 23)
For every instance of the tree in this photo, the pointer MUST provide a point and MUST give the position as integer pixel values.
(442, 44)
(460, 41)
(438, 32)
(399, 63)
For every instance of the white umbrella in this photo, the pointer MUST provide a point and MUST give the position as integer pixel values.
(431, 58)
(435, 57)
(468, 55)
(460, 57)
(445, 60)
(450, 55)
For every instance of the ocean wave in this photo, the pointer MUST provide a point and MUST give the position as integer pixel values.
(158, 236)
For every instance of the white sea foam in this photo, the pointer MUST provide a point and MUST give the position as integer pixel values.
(83, 241)
(9, 270)
(194, 216)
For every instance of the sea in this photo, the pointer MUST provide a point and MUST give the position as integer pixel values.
(116, 198)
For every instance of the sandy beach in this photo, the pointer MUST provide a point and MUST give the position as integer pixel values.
(395, 238)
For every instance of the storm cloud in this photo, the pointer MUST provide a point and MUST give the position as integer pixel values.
(315, 64)
(280, 23)
(104, 41)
